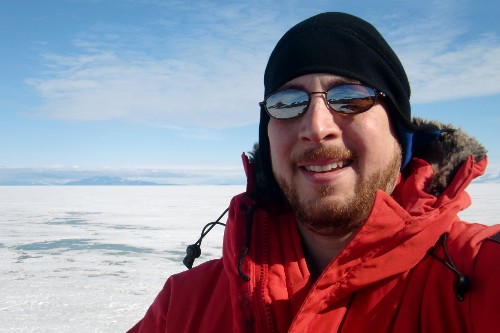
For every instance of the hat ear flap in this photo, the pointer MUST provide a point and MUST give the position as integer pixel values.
(411, 139)
(263, 173)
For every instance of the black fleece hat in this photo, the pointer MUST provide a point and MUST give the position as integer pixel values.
(340, 44)
(345, 45)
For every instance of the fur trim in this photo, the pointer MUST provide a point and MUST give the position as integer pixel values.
(447, 154)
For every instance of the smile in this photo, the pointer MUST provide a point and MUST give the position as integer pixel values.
(327, 167)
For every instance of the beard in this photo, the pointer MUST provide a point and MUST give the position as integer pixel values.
(338, 217)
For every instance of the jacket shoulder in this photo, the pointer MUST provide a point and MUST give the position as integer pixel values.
(465, 242)
(485, 279)
(468, 238)
(475, 249)
(189, 301)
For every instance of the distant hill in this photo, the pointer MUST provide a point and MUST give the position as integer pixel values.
(488, 178)
(106, 181)
(20, 183)
(108, 176)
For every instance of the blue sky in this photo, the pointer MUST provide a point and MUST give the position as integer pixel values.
(156, 84)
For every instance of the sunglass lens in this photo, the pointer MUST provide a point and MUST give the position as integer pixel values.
(351, 98)
(287, 103)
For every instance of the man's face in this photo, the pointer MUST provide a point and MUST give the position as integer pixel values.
(329, 165)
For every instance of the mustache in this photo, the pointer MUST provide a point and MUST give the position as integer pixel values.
(323, 152)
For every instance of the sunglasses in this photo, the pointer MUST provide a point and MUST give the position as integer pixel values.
(344, 99)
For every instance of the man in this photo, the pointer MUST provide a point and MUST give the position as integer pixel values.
(349, 222)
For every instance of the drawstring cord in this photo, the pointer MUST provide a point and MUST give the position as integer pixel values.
(247, 243)
(462, 283)
(193, 251)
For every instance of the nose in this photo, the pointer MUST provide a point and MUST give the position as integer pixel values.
(319, 124)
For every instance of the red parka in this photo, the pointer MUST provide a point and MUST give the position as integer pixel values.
(406, 270)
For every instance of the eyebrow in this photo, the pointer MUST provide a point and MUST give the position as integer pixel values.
(332, 82)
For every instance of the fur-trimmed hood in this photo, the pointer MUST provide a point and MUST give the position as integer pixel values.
(445, 155)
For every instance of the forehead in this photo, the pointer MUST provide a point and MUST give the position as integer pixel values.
(323, 79)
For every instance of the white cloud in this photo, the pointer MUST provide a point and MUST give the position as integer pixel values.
(202, 67)
(442, 60)
(180, 75)
(169, 92)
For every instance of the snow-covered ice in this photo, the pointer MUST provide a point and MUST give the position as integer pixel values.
(92, 259)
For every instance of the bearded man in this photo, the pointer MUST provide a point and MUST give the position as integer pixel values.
(349, 222)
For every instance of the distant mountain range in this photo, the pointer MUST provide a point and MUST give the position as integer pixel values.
(92, 181)
(103, 181)
(488, 178)
(67, 176)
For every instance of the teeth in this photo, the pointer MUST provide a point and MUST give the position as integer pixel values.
(324, 168)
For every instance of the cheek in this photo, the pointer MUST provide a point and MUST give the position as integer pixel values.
(280, 141)
(375, 137)
(380, 142)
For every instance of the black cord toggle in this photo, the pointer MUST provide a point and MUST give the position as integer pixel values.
(193, 251)
(462, 283)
